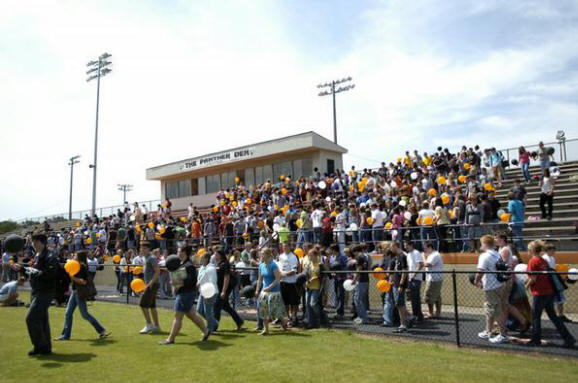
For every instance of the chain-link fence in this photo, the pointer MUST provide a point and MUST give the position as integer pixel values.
(449, 306)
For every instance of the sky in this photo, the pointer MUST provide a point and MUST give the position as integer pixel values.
(194, 77)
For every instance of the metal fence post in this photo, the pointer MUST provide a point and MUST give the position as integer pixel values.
(456, 315)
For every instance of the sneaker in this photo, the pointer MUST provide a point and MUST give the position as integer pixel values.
(400, 330)
(358, 321)
(146, 329)
(104, 334)
(206, 336)
(60, 338)
(499, 339)
(484, 335)
(166, 342)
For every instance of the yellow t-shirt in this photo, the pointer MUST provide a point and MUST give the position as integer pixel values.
(314, 272)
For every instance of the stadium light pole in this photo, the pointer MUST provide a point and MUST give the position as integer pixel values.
(98, 68)
(71, 162)
(124, 188)
(329, 88)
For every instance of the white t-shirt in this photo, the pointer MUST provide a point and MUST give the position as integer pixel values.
(316, 217)
(423, 213)
(139, 260)
(550, 259)
(208, 274)
(378, 218)
(414, 258)
(487, 262)
(434, 259)
(288, 262)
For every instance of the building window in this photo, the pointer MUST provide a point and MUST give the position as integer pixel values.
(195, 186)
(185, 188)
(307, 167)
(178, 189)
(268, 173)
(259, 175)
(202, 185)
(213, 184)
(282, 168)
(249, 177)
(330, 166)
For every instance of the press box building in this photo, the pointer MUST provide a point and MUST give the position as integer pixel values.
(199, 179)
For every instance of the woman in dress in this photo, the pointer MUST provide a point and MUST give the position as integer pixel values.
(270, 302)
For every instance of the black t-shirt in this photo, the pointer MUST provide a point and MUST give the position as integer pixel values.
(398, 263)
(130, 234)
(190, 282)
(82, 274)
(362, 265)
(223, 270)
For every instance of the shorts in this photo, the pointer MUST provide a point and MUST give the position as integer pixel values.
(184, 302)
(398, 297)
(433, 292)
(289, 294)
(493, 303)
(148, 299)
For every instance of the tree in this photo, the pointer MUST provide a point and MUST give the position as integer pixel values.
(8, 226)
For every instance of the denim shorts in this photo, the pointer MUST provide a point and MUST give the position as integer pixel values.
(398, 297)
(184, 302)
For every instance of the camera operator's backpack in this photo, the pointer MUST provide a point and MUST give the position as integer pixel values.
(502, 266)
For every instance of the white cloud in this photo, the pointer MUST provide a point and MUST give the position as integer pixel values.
(190, 78)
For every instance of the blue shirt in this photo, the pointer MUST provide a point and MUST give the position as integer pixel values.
(268, 274)
(9, 288)
(516, 208)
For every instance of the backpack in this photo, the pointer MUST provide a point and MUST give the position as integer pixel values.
(502, 266)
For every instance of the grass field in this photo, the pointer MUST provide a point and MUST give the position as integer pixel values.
(295, 356)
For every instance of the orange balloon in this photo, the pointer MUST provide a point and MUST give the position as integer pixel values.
(72, 267)
(137, 270)
(378, 274)
(383, 286)
(137, 285)
(369, 221)
(432, 192)
(562, 268)
(299, 253)
(388, 226)
(116, 258)
(446, 199)
(428, 221)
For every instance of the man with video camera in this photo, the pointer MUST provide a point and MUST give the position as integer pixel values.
(43, 274)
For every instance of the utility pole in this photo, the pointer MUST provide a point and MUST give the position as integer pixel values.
(331, 90)
(71, 162)
(101, 67)
(124, 188)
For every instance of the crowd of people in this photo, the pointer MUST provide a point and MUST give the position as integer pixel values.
(294, 246)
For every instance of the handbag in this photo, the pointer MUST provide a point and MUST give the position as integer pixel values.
(82, 291)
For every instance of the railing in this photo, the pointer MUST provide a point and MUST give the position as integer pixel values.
(80, 214)
(565, 151)
(454, 299)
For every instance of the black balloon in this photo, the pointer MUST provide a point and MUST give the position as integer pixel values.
(472, 278)
(14, 243)
(514, 162)
(173, 262)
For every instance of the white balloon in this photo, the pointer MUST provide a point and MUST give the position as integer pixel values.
(407, 215)
(521, 268)
(500, 212)
(573, 274)
(402, 203)
(348, 285)
(413, 176)
(132, 218)
(353, 227)
(321, 185)
(208, 290)
(393, 184)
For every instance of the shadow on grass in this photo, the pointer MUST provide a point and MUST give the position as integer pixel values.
(97, 342)
(211, 345)
(59, 359)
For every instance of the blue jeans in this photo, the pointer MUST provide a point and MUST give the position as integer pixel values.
(544, 164)
(339, 296)
(428, 233)
(317, 234)
(205, 309)
(526, 170)
(360, 297)
(259, 319)
(388, 308)
(313, 308)
(72, 303)
(539, 304)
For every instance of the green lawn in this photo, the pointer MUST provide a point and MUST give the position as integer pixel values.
(296, 356)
